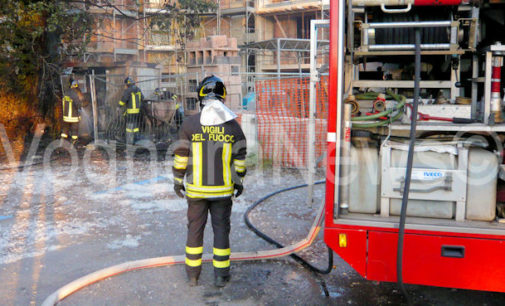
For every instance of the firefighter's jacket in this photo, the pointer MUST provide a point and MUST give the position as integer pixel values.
(71, 105)
(210, 152)
(132, 99)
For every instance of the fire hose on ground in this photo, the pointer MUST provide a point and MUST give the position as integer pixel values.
(102, 274)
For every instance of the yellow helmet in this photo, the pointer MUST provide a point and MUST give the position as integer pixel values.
(129, 81)
(73, 83)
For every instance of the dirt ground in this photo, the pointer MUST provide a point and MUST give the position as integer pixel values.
(58, 223)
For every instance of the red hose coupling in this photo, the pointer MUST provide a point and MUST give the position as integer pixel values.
(496, 74)
(436, 2)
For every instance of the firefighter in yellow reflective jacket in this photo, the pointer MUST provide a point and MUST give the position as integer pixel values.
(179, 111)
(72, 103)
(132, 100)
(210, 155)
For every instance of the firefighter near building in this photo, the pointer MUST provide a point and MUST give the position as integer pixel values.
(425, 207)
(210, 154)
(71, 105)
(132, 100)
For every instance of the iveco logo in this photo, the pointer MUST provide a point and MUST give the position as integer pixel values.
(433, 174)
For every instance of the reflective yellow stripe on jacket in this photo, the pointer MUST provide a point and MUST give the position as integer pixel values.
(226, 164)
(197, 163)
(180, 162)
(239, 165)
(193, 191)
(135, 109)
(67, 116)
(196, 188)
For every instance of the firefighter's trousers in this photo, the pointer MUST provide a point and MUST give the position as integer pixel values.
(220, 212)
(132, 127)
(70, 130)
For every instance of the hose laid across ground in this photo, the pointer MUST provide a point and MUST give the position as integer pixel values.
(99, 275)
(277, 244)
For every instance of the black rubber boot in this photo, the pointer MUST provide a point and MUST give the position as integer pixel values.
(220, 281)
(192, 281)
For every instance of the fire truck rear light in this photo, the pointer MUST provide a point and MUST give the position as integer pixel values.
(342, 240)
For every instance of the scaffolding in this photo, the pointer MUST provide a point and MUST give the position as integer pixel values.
(129, 32)
(116, 34)
(283, 56)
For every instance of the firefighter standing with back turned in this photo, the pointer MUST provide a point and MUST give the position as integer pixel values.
(132, 99)
(179, 111)
(211, 155)
(72, 103)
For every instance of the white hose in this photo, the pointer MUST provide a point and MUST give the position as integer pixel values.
(99, 275)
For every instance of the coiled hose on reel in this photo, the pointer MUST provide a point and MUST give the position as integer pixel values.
(372, 96)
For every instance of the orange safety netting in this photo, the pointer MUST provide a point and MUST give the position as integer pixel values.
(282, 110)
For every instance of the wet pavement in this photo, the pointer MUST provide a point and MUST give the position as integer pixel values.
(58, 223)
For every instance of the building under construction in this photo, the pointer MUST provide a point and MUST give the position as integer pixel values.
(272, 35)
(240, 41)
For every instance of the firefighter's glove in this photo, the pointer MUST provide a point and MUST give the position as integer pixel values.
(179, 188)
(239, 188)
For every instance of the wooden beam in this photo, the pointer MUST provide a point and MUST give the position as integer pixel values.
(280, 26)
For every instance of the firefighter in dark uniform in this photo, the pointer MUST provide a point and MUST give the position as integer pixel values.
(157, 94)
(132, 100)
(72, 103)
(210, 154)
(179, 111)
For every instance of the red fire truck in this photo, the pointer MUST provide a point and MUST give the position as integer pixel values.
(453, 234)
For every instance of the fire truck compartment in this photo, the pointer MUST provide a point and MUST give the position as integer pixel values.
(450, 180)
(429, 259)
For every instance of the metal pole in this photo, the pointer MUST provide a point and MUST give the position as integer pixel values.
(145, 33)
(409, 47)
(312, 109)
(279, 62)
(300, 58)
(246, 26)
(218, 17)
(350, 28)
(94, 106)
(346, 165)
(487, 87)
(475, 75)
(412, 24)
(247, 70)
(314, 78)
(114, 32)
(340, 78)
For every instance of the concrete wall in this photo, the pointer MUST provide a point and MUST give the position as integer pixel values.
(216, 55)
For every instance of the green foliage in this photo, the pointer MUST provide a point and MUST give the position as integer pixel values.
(184, 18)
(35, 38)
